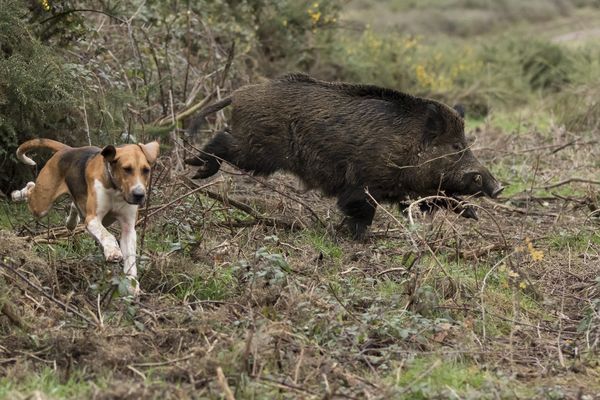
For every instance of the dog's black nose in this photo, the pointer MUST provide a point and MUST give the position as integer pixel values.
(138, 194)
(138, 198)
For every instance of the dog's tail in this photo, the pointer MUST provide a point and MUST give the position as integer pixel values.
(213, 108)
(37, 143)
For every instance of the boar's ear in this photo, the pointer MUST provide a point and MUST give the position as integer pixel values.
(434, 124)
(460, 109)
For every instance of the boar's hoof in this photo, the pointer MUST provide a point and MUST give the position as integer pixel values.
(202, 173)
(206, 167)
(195, 161)
(358, 229)
(467, 212)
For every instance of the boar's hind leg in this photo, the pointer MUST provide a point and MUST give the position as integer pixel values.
(218, 149)
(359, 210)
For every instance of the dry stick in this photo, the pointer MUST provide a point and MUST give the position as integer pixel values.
(9, 310)
(483, 283)
(163, 363)
(387, 271)
(243, 207)
(189, 111)
(521, 210)
(561, 357)
(183, 196)
(350, 313)
(437, 261)
(65, 13)
(176, 143)
(223, 384)
(87, 125)
(138, 55)
(143, 233)
(228, 63)
(158, 72)
(43, 293)
(570, 180)
(422, 375)
(284, 385)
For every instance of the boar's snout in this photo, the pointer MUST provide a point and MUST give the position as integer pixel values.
(497, 191)
(479, 183)
(491, 187)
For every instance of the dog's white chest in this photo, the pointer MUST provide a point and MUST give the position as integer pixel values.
(111, 200)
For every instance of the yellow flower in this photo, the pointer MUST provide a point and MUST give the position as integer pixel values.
(45, 5)
(523, 285)
(536, 255)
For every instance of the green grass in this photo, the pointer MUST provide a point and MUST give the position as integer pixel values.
(433, 377)
(576, 241)
(50, 384)
(322, 242)
(218, 285)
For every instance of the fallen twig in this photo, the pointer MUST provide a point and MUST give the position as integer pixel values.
(570, 180)
(186, 113)
(166, 362)
(183, 196)
(259, 218)
(46, 295)
(223, 384)
(9, 310)
(520, 210)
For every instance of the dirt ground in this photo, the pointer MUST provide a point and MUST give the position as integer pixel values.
(253, 291)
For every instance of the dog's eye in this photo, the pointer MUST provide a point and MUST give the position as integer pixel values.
(128, 170)
(145, 170)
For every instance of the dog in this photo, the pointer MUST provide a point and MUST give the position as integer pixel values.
(105, 185)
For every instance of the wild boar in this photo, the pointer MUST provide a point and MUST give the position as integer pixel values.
(344, 138)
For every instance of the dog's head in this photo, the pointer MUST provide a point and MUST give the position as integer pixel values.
(130, 168)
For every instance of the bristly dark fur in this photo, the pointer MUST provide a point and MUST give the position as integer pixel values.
(357, 90)
(343, 138)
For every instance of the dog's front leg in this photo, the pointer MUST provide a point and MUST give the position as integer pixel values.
(128, 247)
(109, 244)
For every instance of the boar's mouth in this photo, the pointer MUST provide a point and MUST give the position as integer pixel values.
(497, 192)
(478, 184)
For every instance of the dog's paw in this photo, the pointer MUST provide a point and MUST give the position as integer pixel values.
(16, 195)
(129, 286)
(23, 194)
(133, 288)
(113, 254)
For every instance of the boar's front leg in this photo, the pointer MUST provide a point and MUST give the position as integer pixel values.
(218, 149)
(431, 206)
(354, 203)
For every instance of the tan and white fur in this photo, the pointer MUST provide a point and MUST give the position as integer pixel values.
(105, 185)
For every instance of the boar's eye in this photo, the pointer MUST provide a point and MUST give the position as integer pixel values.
(457, 146)
(477, 178)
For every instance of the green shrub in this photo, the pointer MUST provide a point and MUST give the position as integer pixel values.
(36, 91)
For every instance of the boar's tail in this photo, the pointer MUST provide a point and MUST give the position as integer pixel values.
(213, 108)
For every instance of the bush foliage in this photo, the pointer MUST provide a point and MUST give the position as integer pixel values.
(110, 72)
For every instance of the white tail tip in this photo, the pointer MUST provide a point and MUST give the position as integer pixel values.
(25, 160)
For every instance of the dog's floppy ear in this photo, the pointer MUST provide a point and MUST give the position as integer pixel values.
(109, 153)
(150, 151)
